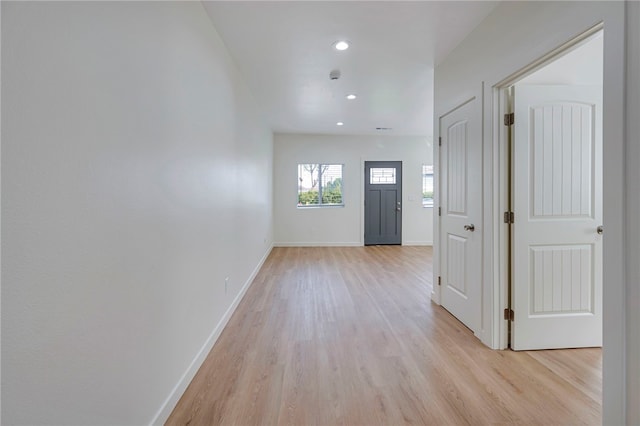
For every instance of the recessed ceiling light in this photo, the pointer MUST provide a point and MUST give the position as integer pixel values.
(351, 97)
(341, 45)
(339, 123)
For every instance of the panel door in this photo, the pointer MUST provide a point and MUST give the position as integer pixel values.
(557, 250)
(382, 202)
(461, 217)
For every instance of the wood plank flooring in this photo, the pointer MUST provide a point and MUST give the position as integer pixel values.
(348, 336)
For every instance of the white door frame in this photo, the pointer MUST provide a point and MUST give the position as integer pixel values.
(500, 236)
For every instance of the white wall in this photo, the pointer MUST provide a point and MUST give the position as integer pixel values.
(581, 66)
(515, 35)
(344, 225)
(136, 176)
(632, 228)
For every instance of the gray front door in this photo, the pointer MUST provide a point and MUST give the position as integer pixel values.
(382, 202)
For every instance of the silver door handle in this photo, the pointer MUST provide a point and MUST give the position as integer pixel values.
(600, 229)
(469, 228)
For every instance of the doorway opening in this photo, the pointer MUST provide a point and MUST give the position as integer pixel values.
(551, 191)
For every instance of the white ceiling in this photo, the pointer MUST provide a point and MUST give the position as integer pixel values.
(284, 51)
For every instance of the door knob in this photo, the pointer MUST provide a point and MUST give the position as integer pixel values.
(469, 227)
(600, 229)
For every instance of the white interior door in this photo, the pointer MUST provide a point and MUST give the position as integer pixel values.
(461, 220)
(557, 201)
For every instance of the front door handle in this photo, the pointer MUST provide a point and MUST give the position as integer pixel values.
(600, 229)
(470, 228)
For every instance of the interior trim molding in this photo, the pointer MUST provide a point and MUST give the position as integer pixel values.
(176, 393)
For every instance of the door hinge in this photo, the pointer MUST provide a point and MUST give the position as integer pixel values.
(438, 280)
(509, 119)
(509, 217)
(439, 140)
(439, 211)
(509, 315)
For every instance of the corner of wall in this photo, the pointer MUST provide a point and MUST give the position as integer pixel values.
(632, 228)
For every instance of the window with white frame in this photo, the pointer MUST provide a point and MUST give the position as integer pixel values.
(320, 185)
(427, 186)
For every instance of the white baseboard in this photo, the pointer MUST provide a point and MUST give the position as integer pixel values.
(417, 243)
(319, 244)
(169, 404)
(343, 244)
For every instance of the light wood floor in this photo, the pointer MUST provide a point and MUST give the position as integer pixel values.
(348, 336)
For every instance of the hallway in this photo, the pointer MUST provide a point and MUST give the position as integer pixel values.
(349, 336)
